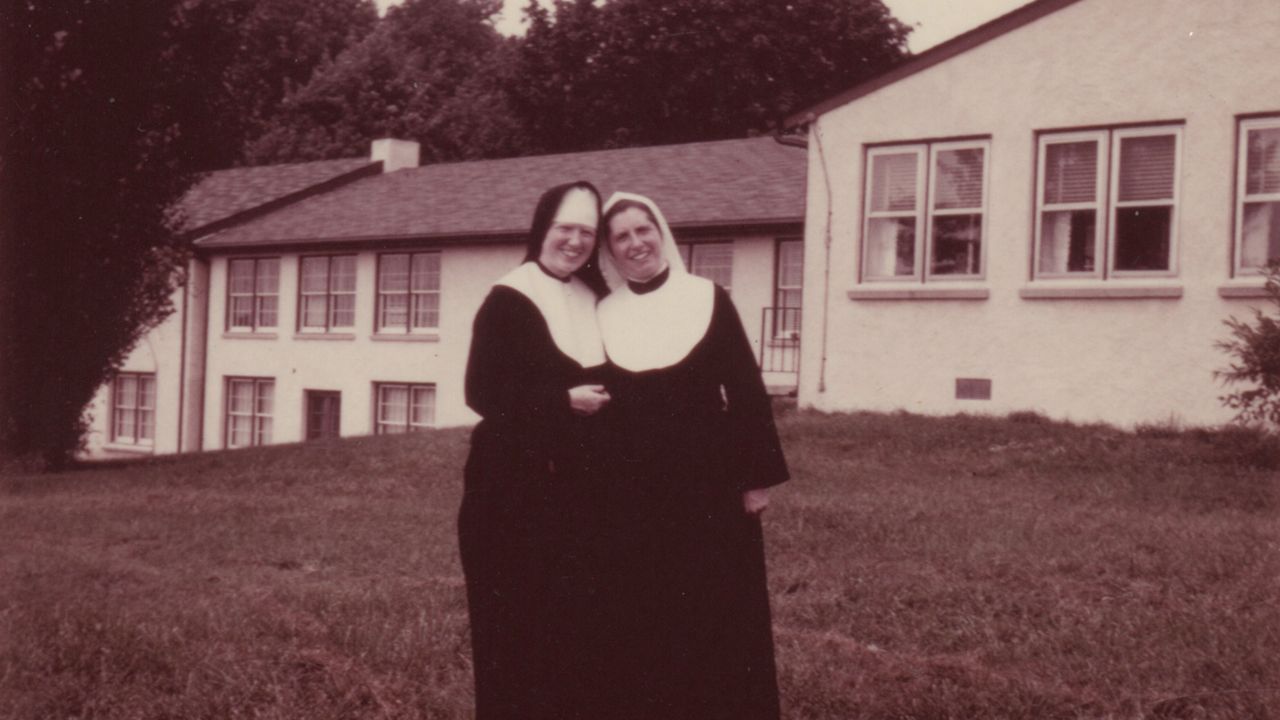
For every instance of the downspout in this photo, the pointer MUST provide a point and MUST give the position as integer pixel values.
(182, 355)
(826, 243)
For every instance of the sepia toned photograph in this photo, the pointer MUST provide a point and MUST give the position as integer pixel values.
(640, 360)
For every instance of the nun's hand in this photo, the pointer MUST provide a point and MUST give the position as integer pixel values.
(587, 399)
(755, 501)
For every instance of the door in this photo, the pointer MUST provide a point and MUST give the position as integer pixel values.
(324, 409)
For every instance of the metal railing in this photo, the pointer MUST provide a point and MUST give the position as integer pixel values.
(780, 340)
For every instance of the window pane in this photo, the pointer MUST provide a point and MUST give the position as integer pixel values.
(344, 311)
(426, 310)
(1068, 241)
(1261, 232)
(268, 276)
(241, 401)
(393, 405)
(791, 264)
(393, 273)
(125, 429)
(393, 311)
(426, 271)
(238, 430)
(957, 245)
(714, 262)
(342, 274)
(263, 434)
(264, 397)
(1147, 167)
(891, 247)
(241, 280)
(146, 425)
(313, 310)
(424, 407)
(126, 391)
(315, 274)
(893, 182)
(1071, 172)
(146, 392)
(959, 183)
(1263, 170)
(1142, 238)
(242, 311)
(266, 311)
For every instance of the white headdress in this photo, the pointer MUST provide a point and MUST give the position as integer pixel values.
(655, 329)
(670, 253)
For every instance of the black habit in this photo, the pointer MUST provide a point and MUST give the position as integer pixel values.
(692, 621)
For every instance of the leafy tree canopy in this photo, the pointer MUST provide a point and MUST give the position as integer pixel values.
(431, 71)
(107, 110)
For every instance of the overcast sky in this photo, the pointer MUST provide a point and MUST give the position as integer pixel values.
(933, 20)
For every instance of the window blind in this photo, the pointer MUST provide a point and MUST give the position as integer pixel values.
(1071, 172)
(893, 182)
(1147, 167)
(959, 179)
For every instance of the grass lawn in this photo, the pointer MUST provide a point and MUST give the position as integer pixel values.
(920, 568)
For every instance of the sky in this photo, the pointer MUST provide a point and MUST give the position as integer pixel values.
(934, 20)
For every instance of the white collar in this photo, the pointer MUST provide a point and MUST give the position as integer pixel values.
(568, 307)
(659, 328)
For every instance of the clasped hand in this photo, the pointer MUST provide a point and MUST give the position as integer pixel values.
(588, 399)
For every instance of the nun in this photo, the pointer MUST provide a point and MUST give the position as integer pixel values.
(533, 375)
(695, 453)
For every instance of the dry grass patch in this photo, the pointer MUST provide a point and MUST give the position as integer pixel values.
(921, 568)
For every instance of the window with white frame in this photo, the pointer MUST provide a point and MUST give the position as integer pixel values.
(1258, 194)
(408, 292)
(249, 410)
(925, 204)
(326, 292)
(133, 409)
(404, 407)
(713, 261)
(1106, 203)
(789, 290)
(253, 287)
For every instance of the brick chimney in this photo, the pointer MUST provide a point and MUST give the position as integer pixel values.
(395, 154)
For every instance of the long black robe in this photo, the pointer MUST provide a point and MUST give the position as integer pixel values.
(525, 525)
(692, 621)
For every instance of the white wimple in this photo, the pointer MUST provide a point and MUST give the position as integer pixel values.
(568, 307)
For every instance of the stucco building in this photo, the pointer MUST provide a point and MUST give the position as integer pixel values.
(1052, 212)
(344, 307)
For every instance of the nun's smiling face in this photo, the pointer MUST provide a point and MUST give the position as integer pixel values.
(636, 244)
(567, 247)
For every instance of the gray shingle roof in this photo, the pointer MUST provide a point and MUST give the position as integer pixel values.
(729, 182)
(225, 193)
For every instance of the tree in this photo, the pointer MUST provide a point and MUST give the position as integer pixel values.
(280, 44)
(430, 71)
(95, 153)
(640, 72)
(1255, 351)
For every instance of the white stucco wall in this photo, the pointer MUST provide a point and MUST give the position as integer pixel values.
(351, 362)
(1126, 361)
(157, 352)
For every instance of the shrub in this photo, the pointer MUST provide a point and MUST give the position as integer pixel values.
(1255, 351)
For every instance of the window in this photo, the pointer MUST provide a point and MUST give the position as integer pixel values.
(249, 409)
(924, 211)
(1105, 203)
(408, 292)
(404, 408)
(790, 287)
(253, 285)
(133, 409)
(713, 261)
(324, 414)
(1258, 194)
(327, 293)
